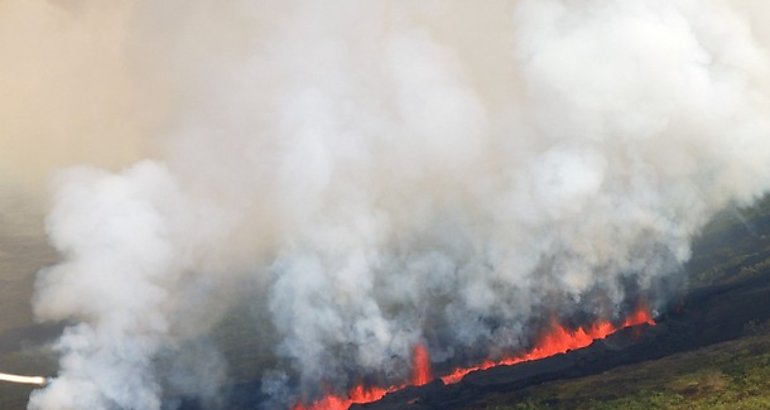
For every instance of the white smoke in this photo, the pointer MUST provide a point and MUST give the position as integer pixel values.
(382, 180)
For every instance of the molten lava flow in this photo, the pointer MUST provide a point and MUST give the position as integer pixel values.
(357, 395)
(557, 340)
(421, 374)
(637, 318)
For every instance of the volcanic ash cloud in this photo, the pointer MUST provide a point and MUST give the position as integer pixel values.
(367, 177)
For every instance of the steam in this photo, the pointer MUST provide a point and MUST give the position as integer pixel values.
(378, 182)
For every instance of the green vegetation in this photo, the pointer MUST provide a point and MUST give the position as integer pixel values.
(731, 375)
(735, 244)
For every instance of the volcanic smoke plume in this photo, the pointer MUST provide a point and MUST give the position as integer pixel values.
(372, 178)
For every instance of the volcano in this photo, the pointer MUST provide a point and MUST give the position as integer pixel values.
(554, 341)
(714, 309)
(706, 315)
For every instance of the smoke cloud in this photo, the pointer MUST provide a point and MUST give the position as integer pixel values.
(373, 175)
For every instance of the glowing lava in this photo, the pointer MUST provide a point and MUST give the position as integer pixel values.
(557, 340)
(357, 395)
(421, 372)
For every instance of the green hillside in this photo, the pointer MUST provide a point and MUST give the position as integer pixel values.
(731, 375)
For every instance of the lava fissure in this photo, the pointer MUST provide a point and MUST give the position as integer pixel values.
(558, 339)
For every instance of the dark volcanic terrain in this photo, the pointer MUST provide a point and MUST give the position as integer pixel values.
(727, 297)
(708, 316)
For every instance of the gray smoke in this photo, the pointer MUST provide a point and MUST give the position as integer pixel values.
(383, 174)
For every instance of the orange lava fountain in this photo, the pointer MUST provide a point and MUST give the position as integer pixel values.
(421, 372)
(557, 340)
